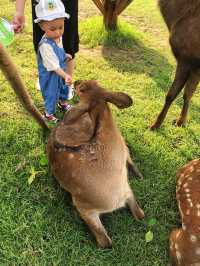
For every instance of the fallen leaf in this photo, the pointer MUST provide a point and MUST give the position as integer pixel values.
(149, 236)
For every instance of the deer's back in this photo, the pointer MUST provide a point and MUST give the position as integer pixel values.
(183, 20)
(188, 194)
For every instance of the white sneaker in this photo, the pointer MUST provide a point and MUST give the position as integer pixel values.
(37, 85)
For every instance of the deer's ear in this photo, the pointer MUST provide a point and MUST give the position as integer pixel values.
(75, 134)
(120, 99)
(75, 112)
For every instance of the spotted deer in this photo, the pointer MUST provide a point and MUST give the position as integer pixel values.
(185, 242)
(88, 156)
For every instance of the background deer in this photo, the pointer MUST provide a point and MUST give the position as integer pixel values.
(185, 242)
(88, 157)
(183, 21)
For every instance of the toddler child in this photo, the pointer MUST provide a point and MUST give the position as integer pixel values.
(52, 58)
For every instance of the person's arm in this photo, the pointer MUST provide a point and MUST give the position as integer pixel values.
(64, 75)
(19, 18)
(70, 64)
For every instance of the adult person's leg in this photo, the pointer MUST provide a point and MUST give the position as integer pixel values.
(37, 32)
(70, 36)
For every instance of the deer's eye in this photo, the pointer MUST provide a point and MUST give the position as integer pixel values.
(83, 89)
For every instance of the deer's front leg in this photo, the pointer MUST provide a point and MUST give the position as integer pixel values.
(182, 73)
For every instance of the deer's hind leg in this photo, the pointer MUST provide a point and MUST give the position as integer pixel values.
(189, 90)
(136, 211)
(132, 168)
(93, 221)
(91, 217)
(182, 74)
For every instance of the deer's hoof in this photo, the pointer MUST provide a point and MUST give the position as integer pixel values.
(179, 123)
(141, 215)
(104, 242)
(141, 177)
(154, 126)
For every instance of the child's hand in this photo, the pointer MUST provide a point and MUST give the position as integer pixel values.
(68, 79)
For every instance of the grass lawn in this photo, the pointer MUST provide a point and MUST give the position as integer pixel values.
(38, 224)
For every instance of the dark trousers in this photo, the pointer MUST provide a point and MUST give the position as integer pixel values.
(70, 36)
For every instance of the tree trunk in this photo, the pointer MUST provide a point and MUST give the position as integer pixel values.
(110, 16)
(110, 10)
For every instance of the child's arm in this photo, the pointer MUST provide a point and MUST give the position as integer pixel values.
(19, 18)
(64, 75)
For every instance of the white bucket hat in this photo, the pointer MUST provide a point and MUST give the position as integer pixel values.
(48, 10)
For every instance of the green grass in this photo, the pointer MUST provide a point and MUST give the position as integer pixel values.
(123, 38)
(38, 223)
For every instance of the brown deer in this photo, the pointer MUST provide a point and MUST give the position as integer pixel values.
(11, 73)
(183, 21)
(185, 242)
(88, 157)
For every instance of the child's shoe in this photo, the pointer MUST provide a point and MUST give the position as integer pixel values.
(50, 118)
(64, 106)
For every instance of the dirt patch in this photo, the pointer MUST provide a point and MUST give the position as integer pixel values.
(87, 9)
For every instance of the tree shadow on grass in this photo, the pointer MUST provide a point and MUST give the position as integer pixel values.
(128, 54)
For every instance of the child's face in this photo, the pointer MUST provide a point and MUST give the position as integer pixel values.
(53, 29)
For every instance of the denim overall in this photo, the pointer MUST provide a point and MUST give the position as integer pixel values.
(52, 86)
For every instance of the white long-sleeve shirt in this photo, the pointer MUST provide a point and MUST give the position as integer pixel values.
(49, 58)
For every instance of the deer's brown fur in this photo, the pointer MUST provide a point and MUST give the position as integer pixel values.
(11, 73)
(88, 157)
(183, 21)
